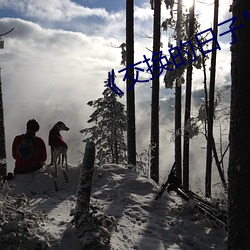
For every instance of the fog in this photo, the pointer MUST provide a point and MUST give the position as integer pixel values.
(51, 69)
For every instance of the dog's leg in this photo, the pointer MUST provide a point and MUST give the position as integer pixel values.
(59, 159)
(55, 158)
(66, 161)
(63, 157)
(56, 170)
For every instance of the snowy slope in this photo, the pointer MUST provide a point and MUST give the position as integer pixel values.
(141, 221)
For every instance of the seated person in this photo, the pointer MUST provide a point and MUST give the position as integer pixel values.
(28, 150)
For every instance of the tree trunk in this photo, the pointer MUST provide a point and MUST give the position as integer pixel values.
(154, 168)
(93, 231)
(239, 159)
(218, 164)
(131, 131)
(211, 105)
(178, 160)
(178, 131)
(81, 215)
(3, 162)
(188, 102)
(116, 152)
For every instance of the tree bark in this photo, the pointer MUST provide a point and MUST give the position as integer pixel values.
(178, 158)
(211, 105)
(81, 215)
(154, 168)
(188, 102)
(218, 164)
(3, 161)
(239, 159)
(131, 129)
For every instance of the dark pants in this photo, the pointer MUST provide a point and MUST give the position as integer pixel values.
(25, 171)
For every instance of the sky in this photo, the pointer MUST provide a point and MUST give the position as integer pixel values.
(60, 52)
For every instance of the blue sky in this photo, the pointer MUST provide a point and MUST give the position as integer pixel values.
(65, 14)
(109, 5)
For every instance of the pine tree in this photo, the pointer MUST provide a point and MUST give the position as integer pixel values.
(110, 124)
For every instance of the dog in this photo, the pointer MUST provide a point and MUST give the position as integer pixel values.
(58, 146)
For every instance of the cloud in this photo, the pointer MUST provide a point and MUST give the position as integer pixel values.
(56, 10)
(51, 74)
(53, 65)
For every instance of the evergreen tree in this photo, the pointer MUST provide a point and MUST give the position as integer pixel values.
(110, 124)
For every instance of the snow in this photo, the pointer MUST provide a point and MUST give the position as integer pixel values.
(141, 221)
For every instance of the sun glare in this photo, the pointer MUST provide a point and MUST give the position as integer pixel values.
(188, 3)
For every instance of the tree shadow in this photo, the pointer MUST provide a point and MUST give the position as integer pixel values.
(167, 223)
(123, 192)
(39, 188)
(179, 227)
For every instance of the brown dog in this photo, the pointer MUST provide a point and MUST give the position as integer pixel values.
(58, 146)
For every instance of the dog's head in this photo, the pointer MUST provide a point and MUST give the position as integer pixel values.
(61, 126)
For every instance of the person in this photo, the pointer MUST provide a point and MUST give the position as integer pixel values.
(29, 150)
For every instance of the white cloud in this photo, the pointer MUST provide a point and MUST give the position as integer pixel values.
(143, 13)
(46, 70)
(53, 10)
(51, 73)
(205, 11)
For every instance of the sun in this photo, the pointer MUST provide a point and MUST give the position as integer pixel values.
(187, 3)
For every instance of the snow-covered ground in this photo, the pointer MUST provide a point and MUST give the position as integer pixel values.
(141, 221)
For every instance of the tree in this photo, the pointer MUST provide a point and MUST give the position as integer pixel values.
(210, 139)
(91, 227)
(131, 130)
(154, 166)
(3, 163)
(110, 125)
(188, 101)
(239, 159)
(178, 91)
(83, 192)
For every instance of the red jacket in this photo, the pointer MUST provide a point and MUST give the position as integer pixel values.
(37, 159)
(55, 139)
